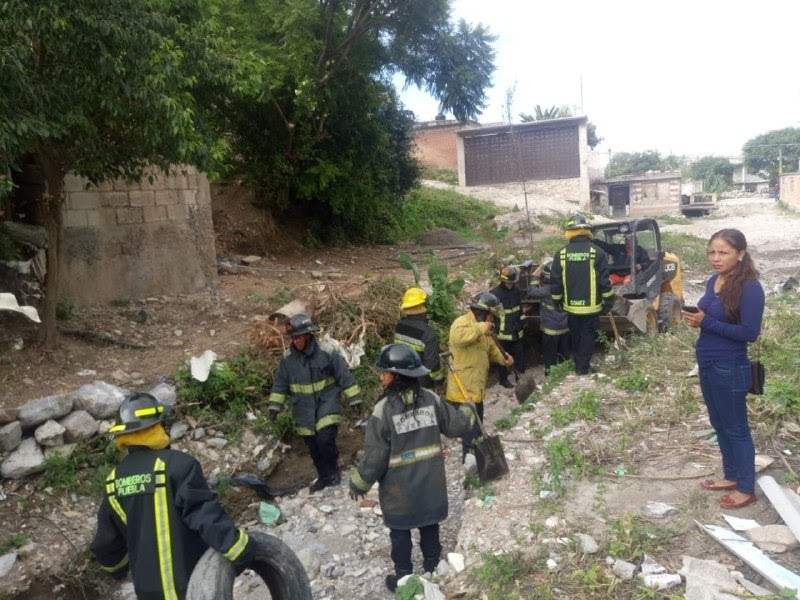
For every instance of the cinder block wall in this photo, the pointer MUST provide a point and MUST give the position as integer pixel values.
(127, 241)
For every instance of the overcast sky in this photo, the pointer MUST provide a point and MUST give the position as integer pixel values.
(682, 77)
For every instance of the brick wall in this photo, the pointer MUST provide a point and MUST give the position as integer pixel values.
(790, 190)
(126, 241)
(435, 144)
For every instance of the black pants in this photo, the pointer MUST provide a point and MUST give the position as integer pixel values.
(581, 330)
(401, 549)
(466, 441)
(515, 349)
(555, 350)
(324, 452)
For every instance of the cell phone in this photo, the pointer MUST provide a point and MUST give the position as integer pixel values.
(691, 309)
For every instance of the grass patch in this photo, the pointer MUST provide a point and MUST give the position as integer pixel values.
(448, 176)
(425, 209)
(689, 248)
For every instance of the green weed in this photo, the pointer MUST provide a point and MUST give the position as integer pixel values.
(689, 248)
(631, 536)
(499, 572)
(635, 382)
(18, 540)
(563, 460)
(585, 405)
(65, 311)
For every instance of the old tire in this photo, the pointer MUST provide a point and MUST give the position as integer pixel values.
(669, 311)
(275, 563)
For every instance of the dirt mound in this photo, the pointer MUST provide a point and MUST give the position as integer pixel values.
(441, 237)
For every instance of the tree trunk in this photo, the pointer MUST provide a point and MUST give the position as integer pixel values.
(52, 203)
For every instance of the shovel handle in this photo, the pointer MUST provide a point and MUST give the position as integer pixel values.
(463, 391)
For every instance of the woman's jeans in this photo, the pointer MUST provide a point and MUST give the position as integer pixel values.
(724, 387)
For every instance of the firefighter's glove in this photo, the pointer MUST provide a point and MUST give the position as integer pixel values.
(608, 304)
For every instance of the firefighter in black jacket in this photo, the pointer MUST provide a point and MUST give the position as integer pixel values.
(413, 330)
(159, 516)
(509, 330)
(314, 379)
(580, 286)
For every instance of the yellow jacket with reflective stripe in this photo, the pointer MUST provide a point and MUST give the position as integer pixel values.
(159, 516)
(403, 452)
(313, 380)
(472, 351)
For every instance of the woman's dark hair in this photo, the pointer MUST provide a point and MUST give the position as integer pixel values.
(743, 273)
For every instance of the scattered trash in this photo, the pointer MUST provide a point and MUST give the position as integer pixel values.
(268, 514)
(487, 501)
(200, 366)
(9, 302)
(2, 494)
(661, 581)
(650, 566)
(739, 524)
(620, 472)
(762, 462)
(86, 373)
(694, 372)
(18, 344)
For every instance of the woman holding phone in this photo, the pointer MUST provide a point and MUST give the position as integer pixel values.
(729, 316)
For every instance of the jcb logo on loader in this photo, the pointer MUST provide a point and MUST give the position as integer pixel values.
(668, 267)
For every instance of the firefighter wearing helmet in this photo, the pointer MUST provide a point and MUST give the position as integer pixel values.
(580, 285)
(414, 330)
(159, 516)
(552, 323)
(473, 351)
(509, 328)
(403, 453)
(313, 380)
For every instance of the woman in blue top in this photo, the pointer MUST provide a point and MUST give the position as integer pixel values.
(729, 316)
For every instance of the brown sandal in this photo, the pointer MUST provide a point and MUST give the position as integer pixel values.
(727, 501)
(710, 484)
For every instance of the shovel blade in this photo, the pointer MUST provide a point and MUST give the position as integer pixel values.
(490, 459)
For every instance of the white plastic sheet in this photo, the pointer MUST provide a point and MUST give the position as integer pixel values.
(9, 302)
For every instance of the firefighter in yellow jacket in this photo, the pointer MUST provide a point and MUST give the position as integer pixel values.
(473, 350)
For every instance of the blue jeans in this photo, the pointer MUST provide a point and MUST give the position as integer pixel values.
(724, 387)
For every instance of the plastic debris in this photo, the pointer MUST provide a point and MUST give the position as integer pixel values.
(268, 514)
(200, 366)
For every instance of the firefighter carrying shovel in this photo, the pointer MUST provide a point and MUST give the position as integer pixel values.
(472, 350)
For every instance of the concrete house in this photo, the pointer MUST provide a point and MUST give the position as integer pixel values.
(435, 142)
(641, 194)
(551, 157)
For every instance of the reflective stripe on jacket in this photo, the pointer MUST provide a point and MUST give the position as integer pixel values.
(472, 352)
(415, 331)
(160, 515)
(314, 380)
(510, 326)
(579, 278)
(403, 452)
(551, 321)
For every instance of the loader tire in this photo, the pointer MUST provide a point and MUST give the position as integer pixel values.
(669, 312)
(275, 563)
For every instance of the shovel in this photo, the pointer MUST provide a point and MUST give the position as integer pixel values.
(619, 343)
(489, 455)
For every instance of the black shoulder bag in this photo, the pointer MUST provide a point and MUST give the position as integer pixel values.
(757, 372)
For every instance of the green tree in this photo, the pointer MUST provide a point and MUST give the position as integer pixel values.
(716, 173)
(555, 112)
(768, 153)
(102, 89)
(324, 133)
(626, 163)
